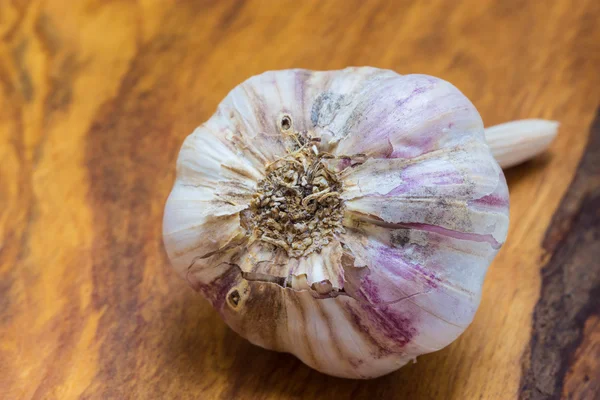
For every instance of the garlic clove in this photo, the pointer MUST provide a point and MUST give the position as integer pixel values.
(440, 173)
(514, 142)
(407, 276)
(473, 222)
(202, 212)
(402, 120)
(323, 266)
(196, 225)
(255, 112)
(260, 261)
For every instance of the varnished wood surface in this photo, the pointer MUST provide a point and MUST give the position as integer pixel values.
(97, 96)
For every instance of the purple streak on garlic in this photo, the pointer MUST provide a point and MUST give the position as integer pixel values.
(347, 217)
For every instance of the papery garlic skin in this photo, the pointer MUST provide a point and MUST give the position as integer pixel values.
(425, 212)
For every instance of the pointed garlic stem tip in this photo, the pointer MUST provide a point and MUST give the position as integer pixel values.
(514, 142)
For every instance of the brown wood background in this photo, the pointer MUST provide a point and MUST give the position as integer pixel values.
(96, 98)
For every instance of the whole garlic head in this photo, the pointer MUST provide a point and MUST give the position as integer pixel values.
(347, 217)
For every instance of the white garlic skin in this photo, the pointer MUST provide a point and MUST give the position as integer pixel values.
(425, 215)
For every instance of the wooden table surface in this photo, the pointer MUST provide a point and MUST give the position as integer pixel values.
(96, 98)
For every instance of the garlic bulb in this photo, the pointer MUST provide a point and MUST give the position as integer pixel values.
(347, 217)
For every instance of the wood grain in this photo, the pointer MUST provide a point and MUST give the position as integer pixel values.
(570, 293)
(97, 96)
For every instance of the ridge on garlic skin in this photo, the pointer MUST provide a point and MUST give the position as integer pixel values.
(419, 209)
